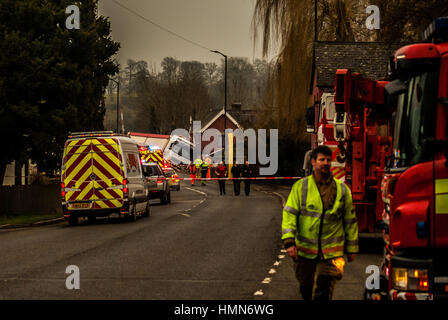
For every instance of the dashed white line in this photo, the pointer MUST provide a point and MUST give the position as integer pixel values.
(258, 293)
(266, 280)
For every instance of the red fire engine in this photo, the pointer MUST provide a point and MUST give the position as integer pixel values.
(392, 139)
(415, 184)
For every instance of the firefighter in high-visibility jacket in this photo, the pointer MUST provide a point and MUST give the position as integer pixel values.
(198, 164)
(204, 168)
(319, 225)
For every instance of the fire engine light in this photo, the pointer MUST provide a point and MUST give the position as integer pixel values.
(400, 278)
(410, 279)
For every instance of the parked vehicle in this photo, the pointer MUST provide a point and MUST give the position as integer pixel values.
(173, 181)
(392, 137)
(156, 182)
(102, 175)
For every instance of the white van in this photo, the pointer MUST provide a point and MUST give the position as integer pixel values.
(102, 175)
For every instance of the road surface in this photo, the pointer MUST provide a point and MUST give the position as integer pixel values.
(201, 246)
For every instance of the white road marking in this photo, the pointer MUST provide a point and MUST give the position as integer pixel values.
(203, 193)
(277, 263)
(281, 256)
(272, 271)
(183, 212)
(258, 293)
(266, 280)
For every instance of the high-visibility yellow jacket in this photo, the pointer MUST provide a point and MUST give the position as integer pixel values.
(204, 165)
(333, 231)
(198, 163)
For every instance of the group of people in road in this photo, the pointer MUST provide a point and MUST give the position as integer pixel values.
(200, 169)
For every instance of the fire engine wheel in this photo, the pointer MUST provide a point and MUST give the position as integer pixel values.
(73, 221)
(147, 210)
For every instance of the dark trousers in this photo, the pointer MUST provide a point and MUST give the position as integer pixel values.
(204, 175)
(236, 187)
(318, 278)
(247, 187)
(222, 186)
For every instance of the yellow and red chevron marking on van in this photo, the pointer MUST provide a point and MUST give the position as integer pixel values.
(92, 172)
(152, 156)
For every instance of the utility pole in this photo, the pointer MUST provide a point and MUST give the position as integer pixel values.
(225, 94)
(118, 104)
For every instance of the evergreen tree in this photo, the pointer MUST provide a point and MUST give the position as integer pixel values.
(52, 79)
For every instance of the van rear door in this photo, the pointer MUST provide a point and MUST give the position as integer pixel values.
(92, 173)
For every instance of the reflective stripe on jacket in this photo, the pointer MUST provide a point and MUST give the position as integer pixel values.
(302, 219)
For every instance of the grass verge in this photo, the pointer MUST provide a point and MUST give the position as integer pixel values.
(28, 218)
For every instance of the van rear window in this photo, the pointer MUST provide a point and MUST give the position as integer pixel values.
(133, 165)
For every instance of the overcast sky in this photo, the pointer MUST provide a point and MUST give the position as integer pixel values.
(223, 25)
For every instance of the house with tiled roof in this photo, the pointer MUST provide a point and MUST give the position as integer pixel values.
(236, 118)
(371, 59)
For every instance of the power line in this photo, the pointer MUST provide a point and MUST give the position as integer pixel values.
(160, 27)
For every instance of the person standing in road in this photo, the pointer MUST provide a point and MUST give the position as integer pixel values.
(247, 172)
(198, 164)
(221, 172)
(236, 173)
(192, 171)
(204, 170)
(319, 225)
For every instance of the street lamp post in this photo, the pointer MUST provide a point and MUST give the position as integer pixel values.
(118, 102)
(225, 93)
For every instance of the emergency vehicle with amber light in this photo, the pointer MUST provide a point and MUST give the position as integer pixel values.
(102, 175)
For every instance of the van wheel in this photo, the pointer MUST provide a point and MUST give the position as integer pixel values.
(163, 199)
(73, 221)
(147, 210)
(169, 197)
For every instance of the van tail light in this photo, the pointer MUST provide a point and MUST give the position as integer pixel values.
(159, 181)
(125, 187)
(63, 190)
